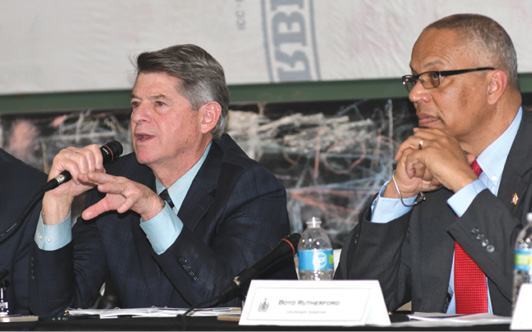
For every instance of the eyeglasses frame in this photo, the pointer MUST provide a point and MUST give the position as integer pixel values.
(442, 73)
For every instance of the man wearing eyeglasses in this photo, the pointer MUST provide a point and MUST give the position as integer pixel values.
(437, 234)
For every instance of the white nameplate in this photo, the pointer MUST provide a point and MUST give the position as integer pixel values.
(521, 318)
(313, 303)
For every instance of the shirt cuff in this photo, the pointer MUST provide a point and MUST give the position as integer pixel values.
(462, 199)
(163, 229)
(386, 209)
(53, 237)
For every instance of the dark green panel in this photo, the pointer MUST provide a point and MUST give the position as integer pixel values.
(525, 81)
(250, 93)
(314, 91)
(47, 102)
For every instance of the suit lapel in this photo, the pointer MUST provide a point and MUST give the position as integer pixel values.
(200, 196)
(514, 183)
(201, 190)
(513, 188)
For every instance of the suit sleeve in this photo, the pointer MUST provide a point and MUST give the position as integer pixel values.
(70, 276)
(242, 229)
(375, 251)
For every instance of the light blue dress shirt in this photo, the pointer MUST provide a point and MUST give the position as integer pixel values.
(491, 160)
(162, 230)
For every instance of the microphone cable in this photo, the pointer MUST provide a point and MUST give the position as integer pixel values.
(110, 152)
(6, 234)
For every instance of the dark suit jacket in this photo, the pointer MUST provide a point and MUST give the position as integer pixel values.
(412, 255)
(234, 213)
(19, 183)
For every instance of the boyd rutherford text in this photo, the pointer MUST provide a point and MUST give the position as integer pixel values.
(309, 303)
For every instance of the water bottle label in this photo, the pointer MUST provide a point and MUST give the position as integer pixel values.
(310, 260)
(523, 259)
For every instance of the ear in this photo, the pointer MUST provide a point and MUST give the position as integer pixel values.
(210, 112)
(497, 85)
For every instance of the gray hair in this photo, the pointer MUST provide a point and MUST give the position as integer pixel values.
(489, 36)
(201, 77)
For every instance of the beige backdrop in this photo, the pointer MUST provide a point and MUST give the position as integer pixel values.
(79, 45)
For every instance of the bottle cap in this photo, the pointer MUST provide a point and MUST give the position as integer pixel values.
(314, 222)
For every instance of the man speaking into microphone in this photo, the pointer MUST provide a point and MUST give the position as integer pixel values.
(221, 211)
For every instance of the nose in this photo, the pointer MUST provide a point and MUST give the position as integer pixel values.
(140, 113)
(418, 93)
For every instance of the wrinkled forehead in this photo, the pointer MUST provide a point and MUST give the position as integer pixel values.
(443, 49)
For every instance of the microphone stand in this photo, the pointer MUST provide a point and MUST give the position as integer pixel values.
(239, 285)
(229, 292)
(6, 234)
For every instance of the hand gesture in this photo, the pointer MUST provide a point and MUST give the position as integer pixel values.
(436, 157)
(122, 195)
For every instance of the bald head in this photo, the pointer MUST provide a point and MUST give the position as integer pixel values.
(490, 38)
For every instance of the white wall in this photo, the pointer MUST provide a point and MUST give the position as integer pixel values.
(83, 45)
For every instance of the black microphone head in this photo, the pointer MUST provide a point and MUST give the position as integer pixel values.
(293, 240)
(111, 151)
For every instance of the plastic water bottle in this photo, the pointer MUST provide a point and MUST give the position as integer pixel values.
(315, 253)
(523, 258)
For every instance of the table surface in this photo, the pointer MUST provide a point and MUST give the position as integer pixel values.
(181, 323)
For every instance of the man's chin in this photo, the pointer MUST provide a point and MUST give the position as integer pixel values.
(433, 123)
(143, 157)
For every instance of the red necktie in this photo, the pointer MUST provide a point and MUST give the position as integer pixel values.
(469, 281)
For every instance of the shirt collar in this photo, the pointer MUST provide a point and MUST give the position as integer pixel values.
(493, 158)
(179, 189)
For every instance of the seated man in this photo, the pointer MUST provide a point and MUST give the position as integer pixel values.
(441, 232)
(19, 184)
(226, 210)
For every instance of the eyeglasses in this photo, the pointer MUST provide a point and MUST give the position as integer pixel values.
(431, 79)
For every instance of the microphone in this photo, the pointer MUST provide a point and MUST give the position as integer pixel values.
(286, 248)
(110, 151)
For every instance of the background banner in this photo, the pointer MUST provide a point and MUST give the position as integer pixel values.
(64, 45)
